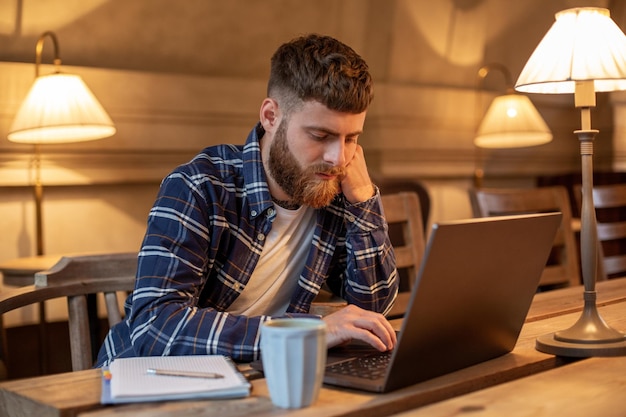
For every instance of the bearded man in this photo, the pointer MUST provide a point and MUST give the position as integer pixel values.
(243, 234)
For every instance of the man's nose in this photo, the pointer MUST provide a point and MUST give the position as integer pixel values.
(336, 153)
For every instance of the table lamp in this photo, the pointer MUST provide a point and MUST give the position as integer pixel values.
(511, 121)
(584, 52)
(59, 108)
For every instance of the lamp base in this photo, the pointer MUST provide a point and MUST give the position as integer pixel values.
(551, 345)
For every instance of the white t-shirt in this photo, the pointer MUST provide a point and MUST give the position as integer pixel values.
(284, 255)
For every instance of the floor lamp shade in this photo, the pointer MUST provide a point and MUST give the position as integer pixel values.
(512, 121)
(60, 108)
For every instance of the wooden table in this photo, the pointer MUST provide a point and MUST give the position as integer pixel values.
(589, 388)
(567, 300)
(78, 393)
(21, 271)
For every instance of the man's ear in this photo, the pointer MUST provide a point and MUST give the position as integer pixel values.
(269, 114)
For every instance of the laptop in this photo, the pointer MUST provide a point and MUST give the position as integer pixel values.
(472, 294)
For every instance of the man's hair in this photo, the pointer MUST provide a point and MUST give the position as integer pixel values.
(320, 68)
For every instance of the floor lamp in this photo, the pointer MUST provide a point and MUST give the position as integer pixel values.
(59, 108)
(584, 52)
(511, 121)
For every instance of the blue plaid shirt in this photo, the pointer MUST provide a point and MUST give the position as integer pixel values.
(204, 238)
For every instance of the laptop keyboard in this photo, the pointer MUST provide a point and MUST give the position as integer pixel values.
(369, 367)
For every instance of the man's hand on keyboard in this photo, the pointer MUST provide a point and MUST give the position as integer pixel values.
(353, 322)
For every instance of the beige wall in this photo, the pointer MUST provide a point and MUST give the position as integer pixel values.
(77, 219)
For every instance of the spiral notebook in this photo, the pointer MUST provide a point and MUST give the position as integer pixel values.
(142, 379)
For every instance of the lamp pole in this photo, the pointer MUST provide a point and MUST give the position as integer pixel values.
(38, 192)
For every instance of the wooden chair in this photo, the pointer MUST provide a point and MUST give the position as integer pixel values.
(393, 185)
(610, 205)
(403, 214)
(76, 277)
(563, 265)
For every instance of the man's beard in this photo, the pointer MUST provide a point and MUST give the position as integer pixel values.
(302, 185)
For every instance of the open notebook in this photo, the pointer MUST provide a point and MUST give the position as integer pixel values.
(128, 379)
(472, 294)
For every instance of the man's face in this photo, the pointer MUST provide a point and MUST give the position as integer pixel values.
(310, 151)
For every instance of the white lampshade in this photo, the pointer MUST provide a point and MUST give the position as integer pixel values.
(583, 44)
(60, 108)
(512, 122)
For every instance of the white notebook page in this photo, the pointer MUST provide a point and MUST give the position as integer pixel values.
(130, 378)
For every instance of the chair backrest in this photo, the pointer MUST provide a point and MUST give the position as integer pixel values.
(406, 232)
(610, 205)
(75, 277)
(563, 266)
(393, 186)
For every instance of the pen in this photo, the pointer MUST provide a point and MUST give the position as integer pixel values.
(187, 374)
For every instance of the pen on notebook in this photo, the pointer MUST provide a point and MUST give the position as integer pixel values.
(187, 374)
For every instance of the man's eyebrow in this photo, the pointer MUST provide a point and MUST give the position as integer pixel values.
(332, 132)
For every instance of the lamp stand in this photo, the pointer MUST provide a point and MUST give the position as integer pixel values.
(38, 193)
(590, 335)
